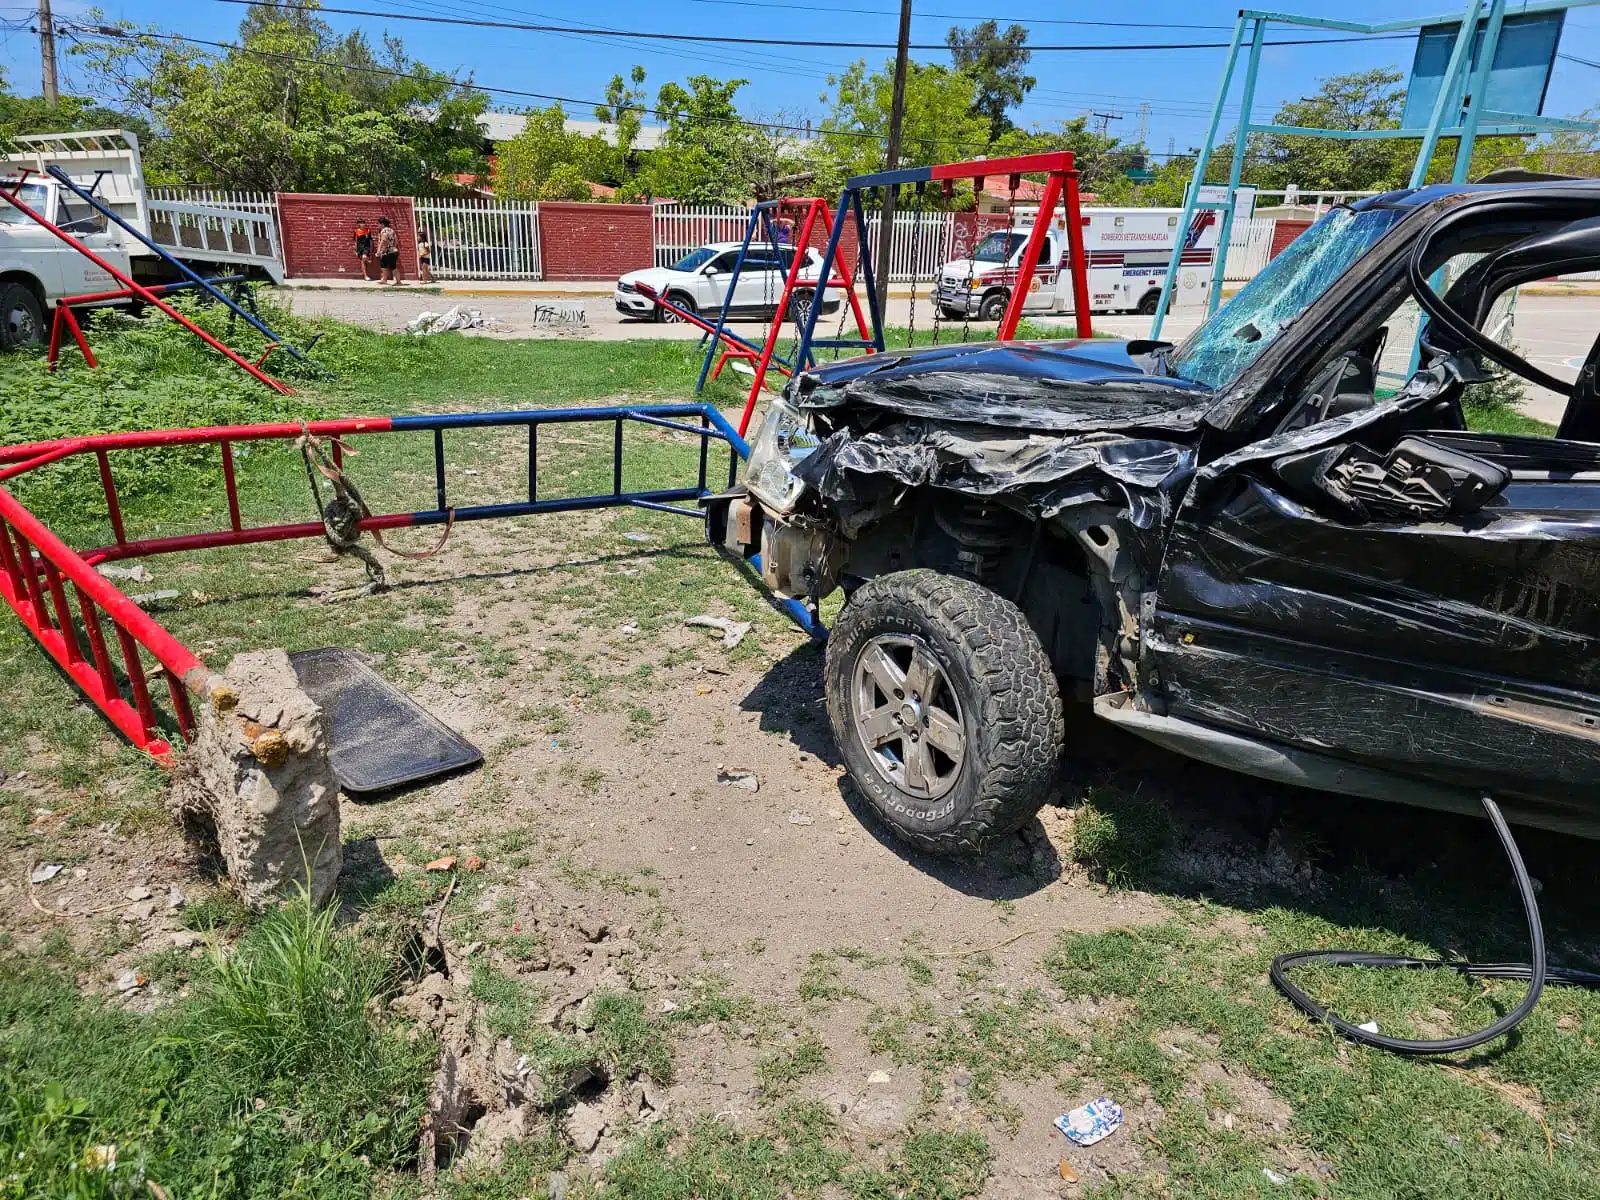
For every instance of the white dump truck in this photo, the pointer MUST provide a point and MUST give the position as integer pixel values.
(1128, 249)
(37, 268)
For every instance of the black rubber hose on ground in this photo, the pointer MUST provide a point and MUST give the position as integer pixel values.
(1537, 973)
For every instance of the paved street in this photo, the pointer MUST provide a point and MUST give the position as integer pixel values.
(1554, 331)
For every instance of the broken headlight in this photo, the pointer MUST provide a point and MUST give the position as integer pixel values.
(784, 439)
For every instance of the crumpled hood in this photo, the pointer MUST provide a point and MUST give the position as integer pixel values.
(1071, 385)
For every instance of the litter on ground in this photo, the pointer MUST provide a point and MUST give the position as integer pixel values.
(732, 631)
(452, 319)
(1093, 1122)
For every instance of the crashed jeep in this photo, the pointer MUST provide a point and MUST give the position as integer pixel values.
(1278, 547)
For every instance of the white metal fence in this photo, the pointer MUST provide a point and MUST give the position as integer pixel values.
(680, 228)
(259, 202)
(1249, 248)
(482, 239)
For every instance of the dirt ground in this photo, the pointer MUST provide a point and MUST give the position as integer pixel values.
(605, 834)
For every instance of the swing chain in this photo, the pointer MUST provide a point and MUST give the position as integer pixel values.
(916, 264)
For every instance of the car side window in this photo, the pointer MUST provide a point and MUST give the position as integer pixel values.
(722, 264)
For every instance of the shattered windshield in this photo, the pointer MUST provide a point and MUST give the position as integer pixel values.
(1217, 352)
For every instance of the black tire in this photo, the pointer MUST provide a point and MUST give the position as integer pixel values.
(952, 314)
(21, 318)
(800, 303)
(684, 302)
(1003, 697)
(1148, 302)
(993, 306)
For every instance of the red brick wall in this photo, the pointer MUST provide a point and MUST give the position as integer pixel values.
(595, 241)
(319, 233)
(1285, 232)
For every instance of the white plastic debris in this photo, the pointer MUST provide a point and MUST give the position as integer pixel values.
(1275, 1179)
(732, 631)
(1369, 1026)
(735, 777)
(455, 318)
(1093, 1122)
(45, 872)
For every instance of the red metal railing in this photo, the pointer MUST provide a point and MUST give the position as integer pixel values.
(37, 569)
(35, 564)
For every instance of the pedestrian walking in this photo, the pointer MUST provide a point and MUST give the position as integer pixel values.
(388, 252)
(425, 255)
(364, 247)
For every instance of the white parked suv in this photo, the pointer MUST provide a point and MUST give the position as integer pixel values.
(698, 282)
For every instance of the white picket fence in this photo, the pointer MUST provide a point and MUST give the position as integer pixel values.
(261, 202)
(482, 239)
(680, 228)
(1249, 249)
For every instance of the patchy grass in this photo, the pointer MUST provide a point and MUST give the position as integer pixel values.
(796, 1153)
(1382, 1124)
(269, 1079)
(780, 1070)
(1122, 837)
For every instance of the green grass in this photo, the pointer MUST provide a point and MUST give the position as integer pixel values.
(1385, 1125)
(783, 1068)
(797, 1152)
(1121, 837)
(270, 1078)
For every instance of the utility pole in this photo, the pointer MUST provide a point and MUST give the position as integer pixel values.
(47, 54)
(897, 112)
(1105, 119)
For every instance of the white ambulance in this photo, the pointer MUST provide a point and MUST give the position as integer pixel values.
(1128, 250)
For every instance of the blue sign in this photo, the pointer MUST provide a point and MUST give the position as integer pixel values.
(1518, 76)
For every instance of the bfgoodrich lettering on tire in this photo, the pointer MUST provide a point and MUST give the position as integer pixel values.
(945, 709)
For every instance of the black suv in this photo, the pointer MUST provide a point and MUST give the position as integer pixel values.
(1280, 547)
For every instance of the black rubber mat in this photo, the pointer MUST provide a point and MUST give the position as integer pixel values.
(378, 737)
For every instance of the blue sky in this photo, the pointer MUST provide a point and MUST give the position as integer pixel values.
(1178, 86)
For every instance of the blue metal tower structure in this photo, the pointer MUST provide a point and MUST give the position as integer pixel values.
(1477, 72)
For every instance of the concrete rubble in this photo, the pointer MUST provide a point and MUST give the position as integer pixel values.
(259, 779)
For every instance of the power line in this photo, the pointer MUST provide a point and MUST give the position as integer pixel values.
(72, 30)
(721, 39)
(303, 60)
(936, 16)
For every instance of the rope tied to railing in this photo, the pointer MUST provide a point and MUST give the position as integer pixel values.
(344, 510)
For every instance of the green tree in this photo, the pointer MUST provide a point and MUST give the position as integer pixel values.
(31, 114)
(1361, 100)
(708, 154)
(1102, 161)
(294, 108)
(996, 63)
(940, 122)
(546, 161)
(624, 112)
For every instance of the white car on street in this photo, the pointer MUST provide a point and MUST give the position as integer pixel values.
(699, 281)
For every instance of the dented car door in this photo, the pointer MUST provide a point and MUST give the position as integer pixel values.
(1451, 636)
